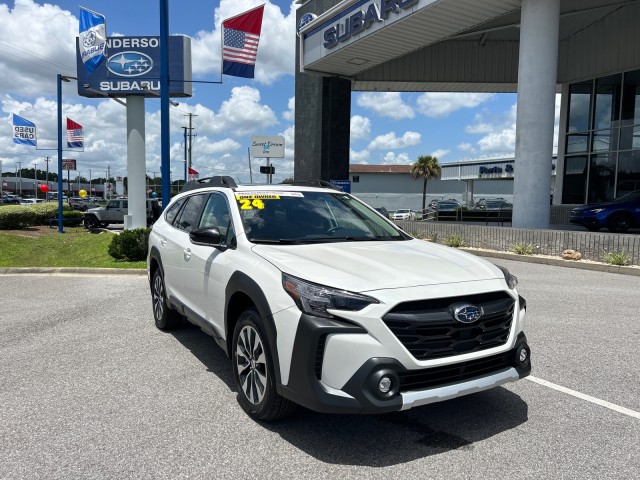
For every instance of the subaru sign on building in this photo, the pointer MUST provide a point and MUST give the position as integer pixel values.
(132, 67)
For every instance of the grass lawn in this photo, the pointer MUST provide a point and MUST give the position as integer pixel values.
(45, 247)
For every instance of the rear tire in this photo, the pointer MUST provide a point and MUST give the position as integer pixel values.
(165, 318)
(253, 371)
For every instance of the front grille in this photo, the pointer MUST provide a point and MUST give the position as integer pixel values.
(448, 374)
(428, 329)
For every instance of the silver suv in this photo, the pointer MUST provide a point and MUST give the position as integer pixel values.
(319, 300)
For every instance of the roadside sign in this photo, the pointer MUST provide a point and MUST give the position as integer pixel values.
(267, 147)
(344, 185)
(68, 164)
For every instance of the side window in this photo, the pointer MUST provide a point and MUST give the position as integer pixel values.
(125, 204)
(172, 212)
(188, 219)
(216, 214)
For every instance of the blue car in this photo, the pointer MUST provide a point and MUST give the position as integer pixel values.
(618, 215)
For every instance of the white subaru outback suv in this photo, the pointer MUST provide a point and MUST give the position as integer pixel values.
(320, 301)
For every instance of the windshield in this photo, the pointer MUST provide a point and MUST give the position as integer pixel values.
(628, 197)
(311, 217)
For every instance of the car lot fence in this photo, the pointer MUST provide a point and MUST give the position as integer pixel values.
(592, 245)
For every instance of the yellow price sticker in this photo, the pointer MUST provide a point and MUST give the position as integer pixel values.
(249, 204)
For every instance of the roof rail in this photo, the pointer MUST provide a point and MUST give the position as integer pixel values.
(315, 183)
(218, 181)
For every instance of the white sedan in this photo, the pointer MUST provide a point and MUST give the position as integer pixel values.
(28, 202)
(404, 214)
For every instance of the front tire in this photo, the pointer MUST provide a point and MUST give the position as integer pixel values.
(619, 223)
(90, 221)
(253, 371)
(165, 318)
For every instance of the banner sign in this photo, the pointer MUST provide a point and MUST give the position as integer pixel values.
(132, 67)
(267, 147)
(92, 39)
(24, 131)
(68, 164)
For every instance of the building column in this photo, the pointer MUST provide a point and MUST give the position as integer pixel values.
(537, 75)
(136, 164)
(468, 194)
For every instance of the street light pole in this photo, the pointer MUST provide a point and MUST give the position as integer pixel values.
(60, 79)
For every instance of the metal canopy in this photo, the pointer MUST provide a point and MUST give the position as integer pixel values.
(383, 59)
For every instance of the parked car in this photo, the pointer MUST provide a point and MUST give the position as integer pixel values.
(319, 301)
(383, 211)
(28, 202)
(493, 204)
(403, 214)
(82, 204)
(115, 211)
(8, 198)
(618, 215)
(444, 206)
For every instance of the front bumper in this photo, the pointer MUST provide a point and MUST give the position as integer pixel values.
(409, 387)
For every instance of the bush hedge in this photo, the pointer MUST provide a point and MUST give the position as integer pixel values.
(14, 217)
(130, 245)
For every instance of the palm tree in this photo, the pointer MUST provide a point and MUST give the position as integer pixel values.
(426, 167)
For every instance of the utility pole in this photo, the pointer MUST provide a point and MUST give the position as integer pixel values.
(47, 158)
(20, 170)
(1, 178)
(35, 177)
(90, 194)
(185, 154)
(191, 135)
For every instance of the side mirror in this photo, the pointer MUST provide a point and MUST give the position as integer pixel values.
(208, 237)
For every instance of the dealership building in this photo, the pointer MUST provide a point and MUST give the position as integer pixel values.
(586, 50)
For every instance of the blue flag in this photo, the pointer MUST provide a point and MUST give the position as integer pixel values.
(93, 39)
(24, 131)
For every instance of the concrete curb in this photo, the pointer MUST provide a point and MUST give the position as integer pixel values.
(558, 262)
(74, 270)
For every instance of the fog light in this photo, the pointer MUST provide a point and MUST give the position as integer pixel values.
(523, 355)
(384, 385)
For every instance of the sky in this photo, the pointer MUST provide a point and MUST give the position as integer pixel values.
(37, 41)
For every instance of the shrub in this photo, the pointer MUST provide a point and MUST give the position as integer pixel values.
(617, 258)
(523, 248)
(454, 240)
(130, 245)
(14, 217)
(46, 211)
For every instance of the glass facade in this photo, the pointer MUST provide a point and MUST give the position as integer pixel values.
(602, 150)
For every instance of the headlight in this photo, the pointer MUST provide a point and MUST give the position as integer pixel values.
(317, 299)
(511, 280)
(597, 210)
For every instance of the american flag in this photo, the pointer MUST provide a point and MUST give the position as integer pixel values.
(75, 138)
(240, 43)
(239, 46)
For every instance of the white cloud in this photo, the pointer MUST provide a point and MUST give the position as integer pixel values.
(360, 128)
(36, 43)
(440, 153)
(276, 50)
(361, 157)
(385, 104)
(442, 104)
(466, 147)
(392, 159)
(389, 140)
(290, 114)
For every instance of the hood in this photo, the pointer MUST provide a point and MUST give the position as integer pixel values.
(97, 209)
(367, 266)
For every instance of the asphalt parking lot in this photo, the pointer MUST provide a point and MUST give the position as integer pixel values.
(90, 389)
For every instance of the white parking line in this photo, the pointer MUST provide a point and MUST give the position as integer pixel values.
(588, 398)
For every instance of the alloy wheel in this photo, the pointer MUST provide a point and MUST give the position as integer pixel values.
(251, 365)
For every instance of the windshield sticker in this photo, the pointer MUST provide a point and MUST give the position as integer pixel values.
(267, 195)
(249, 204)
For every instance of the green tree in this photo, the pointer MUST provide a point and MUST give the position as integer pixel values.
(426, 167)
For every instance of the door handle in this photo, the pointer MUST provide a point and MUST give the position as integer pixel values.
(187, 254)
(163, 242)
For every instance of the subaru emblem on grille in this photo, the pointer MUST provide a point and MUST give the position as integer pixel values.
(466, 313)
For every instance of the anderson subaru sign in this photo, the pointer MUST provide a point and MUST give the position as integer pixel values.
(132, 67)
